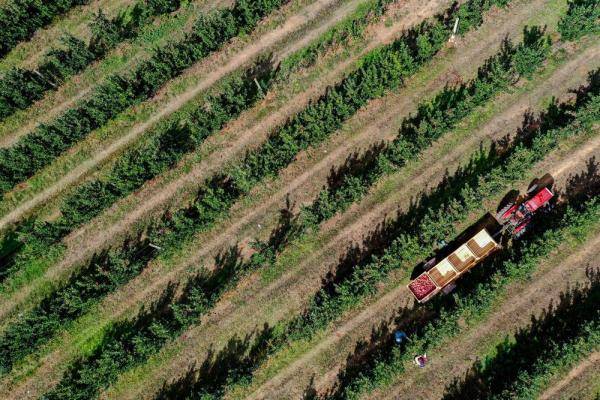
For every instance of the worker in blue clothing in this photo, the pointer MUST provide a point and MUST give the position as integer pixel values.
(400, 337)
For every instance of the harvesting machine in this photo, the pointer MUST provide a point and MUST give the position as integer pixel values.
(441, 271)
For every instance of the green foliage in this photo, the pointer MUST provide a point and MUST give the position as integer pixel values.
(40, 147)
(132, 342)
(350, 28)
(471, 14)
(110, 270)
(564, 333)
(533, 51)
(528, 384)
(19, 19)
(433, 118)
(19, 88)
(582, 18)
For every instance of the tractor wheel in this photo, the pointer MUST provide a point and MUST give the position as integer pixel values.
(533, 186)
(449, 288)
(520, 233)
(429, 264)
(504, 209)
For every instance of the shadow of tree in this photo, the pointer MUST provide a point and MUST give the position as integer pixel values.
(234, 363)
(131, 342)
(586, 184)
(557, 325)
(413, 320)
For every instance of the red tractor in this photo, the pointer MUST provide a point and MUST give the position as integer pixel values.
(439, 274)
(517, 215)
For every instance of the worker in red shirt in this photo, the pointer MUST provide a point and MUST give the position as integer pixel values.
(421, 360)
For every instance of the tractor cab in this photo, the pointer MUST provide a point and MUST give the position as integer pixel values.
(516, 216)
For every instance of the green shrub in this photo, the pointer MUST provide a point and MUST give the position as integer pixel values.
(582, 18)
(40, 147)
(19, 88)
(533, 51)
(19, 19)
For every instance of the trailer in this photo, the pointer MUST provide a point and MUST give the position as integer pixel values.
(513, 219)
(442, 275)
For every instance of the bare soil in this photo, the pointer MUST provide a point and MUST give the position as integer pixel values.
(523, 301)
(154, 197)
(577, 380)
(322, 363)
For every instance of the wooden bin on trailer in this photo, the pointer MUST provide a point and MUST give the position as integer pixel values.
(461, 260)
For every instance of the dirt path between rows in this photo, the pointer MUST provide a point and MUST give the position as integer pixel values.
(302, 366)
(525, 299)
(127, 299)
(590, 363)
(77, 87)
(337, 154)
(83, 243)
(236, 61)
(74, 22)
(223, 313)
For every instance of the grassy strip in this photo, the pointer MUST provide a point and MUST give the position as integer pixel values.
(19, 19)
(40, 147)
(381, 70)
(19, 88)
(474, 299)
(350, 28)
(109, 271)
(521, 366)
(416, 232)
